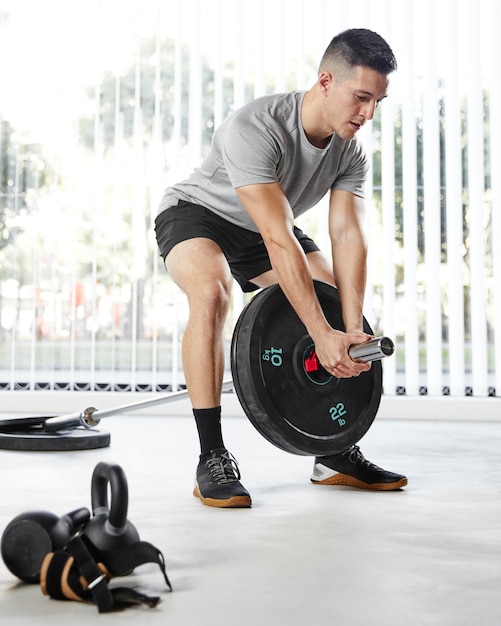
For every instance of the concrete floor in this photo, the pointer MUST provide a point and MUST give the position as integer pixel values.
(304, 554)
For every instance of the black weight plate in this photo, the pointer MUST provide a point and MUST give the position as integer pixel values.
(22, 423)
(64, 440)
(299, 412)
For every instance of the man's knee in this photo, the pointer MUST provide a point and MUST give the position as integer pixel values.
(215, 295)
(209, 301)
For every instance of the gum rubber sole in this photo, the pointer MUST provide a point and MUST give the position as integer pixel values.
(343, 480)
(236, 502)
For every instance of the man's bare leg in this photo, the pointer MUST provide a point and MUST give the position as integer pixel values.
(200, 269)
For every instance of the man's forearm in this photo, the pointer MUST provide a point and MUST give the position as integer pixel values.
(296, 282)
(349, 255)
(350, 268)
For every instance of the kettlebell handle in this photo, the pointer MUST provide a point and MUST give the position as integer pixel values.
(113, 475)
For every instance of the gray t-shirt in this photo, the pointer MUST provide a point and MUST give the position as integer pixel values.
(264, 142)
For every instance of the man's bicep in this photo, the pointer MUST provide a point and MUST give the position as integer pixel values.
(267, 206)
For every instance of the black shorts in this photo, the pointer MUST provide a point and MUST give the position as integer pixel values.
(244, 249)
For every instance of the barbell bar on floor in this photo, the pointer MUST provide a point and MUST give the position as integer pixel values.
(371, 350)
(90, 417)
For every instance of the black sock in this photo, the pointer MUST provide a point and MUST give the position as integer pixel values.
(208, 423)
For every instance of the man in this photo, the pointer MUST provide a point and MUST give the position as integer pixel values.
(269, 162)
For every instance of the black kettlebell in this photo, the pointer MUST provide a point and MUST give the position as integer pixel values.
(108, 528)
(31, 535)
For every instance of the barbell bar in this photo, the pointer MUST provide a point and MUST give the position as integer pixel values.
(372, 350)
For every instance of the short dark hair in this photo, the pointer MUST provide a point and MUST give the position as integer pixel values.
(359, 46)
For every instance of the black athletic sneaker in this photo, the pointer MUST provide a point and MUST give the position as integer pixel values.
(351, 469)
(217, 481)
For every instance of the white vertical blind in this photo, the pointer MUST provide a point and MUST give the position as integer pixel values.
(494, 52)
(475, 213)
(278, 57)
(195, 82)
(388, 232)
(431, 205)
(388, 200)
(239, 53)
(218, 71)
(177, 70)
(454, 291)
(410, 207)
(177, 86)
(154, 170)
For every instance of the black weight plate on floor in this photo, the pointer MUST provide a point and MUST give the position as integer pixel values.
(299, 412)
(64, 440)
(22, 423)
